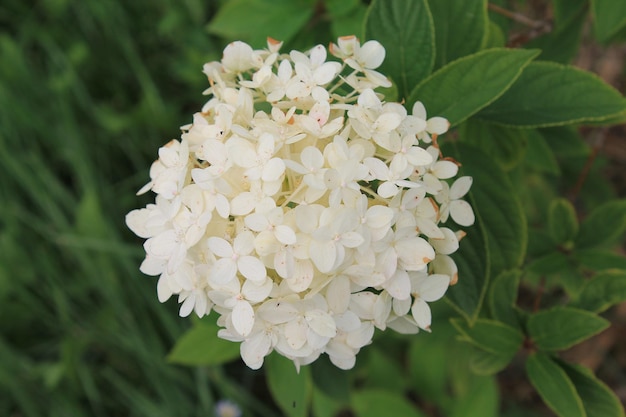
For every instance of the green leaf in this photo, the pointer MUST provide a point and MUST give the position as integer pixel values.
(539, 155)
(483, 362)
(505, 145)
(604, 225)
(349, 24)
(560, 328)
(549, 94)
(604, 290)
(609, 17)
(503, 296)
(461, 28)
(383, 371)
(201, 346)
(405, 28)
(428, 359)
(290, 389)
(554, 386)
(90, 220)
(496, 38)
(463, 87)
(491, 336)
(563, 42)
(599, 259)
(598, 399)
(562, 221)
(324, 405)
(253, 21)
(330, 380)
(497, 206)
(376, 403)
(472, 260)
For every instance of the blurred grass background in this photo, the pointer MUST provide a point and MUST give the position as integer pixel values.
(88, 92)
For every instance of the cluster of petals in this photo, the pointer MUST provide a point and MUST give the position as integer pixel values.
(302, 208)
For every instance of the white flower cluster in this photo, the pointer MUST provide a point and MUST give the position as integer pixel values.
(301, 207)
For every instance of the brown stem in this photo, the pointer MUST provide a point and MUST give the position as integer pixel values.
(518, 17)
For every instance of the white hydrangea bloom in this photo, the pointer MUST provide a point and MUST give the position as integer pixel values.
(304, 217)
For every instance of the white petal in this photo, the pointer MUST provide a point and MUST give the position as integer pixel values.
(371, 54)
(273, 169)
(220, 247)
(323, 255)
(285, 234)
(187, 306)
(460, 187)
(164, 291)
(223, 271)
(162, 245)
(321, 323)
(243, 204)
(437, 125)
(243, 317)
(387, 189)
(351, 239)
(402, 307)
(326, 72)
(295, 333)
(421, 314)
(257, 222)
(428, 228)
(255, 292)
(449, 244)
(338, 294)
(433, 287)
(254, 349)
(277, 311)
(399, 285)
(361, 337)
(445, 169)
(462, 213)
(414, 253)
(136, 221)
(251, 268)
(153, 266)
(244, 243)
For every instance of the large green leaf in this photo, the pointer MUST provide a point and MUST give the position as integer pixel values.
(504, 144)
(330, 380)
(463, 87)
(461, 28)
(609, 17)
(554, 386)
(483, 362)
(405, 28)
(600, 259)
(562, 327)
(503, 295)
(550, 94)
(603, 290)
(376, 403)
(201, 346)
(253, 21)
(598, 399)
(290, 389)
(604, 225)
(479, 398)
(491, 335)
(495, 201)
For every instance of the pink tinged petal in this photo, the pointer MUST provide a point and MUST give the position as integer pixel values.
(321, 323)
(444, 169)
(220, 247)
(257, 292)
(243, 204)
(187, 306)
(243, 317)
(421, 314)
(285, 234)
(338, 294)
(164, 292)
(462, 213)
(223, 271)
(399, 285)
(361, 337)
(437, 125)
(449, 244)
(252, 268)
(433, 287)
(323, 255)
(254, 349)
(295, 333)
(371, 54)
(460, 187)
